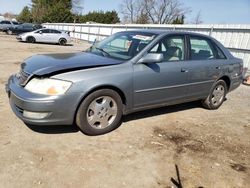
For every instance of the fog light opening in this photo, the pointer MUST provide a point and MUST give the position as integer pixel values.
(35, 115)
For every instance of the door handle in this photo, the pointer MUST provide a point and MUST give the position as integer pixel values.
(184, 70)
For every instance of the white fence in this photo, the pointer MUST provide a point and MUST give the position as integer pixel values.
(235, 37)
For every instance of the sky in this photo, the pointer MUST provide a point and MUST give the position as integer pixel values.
(212, 11)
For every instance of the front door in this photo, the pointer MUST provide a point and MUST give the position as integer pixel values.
(164, 82)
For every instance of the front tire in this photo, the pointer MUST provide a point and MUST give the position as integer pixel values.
(100, 112)
(216, 96)
(31, 40)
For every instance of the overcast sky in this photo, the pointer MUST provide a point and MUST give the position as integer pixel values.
(212, 11)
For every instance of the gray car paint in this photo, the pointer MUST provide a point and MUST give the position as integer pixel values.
(142, 85)
(41, 64)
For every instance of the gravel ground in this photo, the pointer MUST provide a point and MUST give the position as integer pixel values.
(208, 148)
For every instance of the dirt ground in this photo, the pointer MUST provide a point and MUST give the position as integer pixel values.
(208, 148)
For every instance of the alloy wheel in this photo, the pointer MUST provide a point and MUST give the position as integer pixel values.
(102, 112)
(218, 95)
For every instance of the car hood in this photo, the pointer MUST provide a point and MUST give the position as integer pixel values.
(57, 63)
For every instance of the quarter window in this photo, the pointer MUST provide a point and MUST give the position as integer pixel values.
(220, 54)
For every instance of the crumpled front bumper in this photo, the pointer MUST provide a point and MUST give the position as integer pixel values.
(61, 109)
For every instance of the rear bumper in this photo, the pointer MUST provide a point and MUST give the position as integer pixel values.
(61, 109)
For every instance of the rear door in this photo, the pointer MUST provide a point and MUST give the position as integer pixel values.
(204, 66)
(164, 82)
(55, 35)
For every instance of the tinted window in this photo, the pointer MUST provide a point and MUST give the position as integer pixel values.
(171, 47)
(45, 31)
(55, 31)
(219, 53)
(15, 23)
(6, 22)
(201, 49)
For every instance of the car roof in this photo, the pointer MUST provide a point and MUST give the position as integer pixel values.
(162, 31)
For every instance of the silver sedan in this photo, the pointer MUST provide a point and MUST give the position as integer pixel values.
(46, 36)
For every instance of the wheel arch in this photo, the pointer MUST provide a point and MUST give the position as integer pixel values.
(62, 38)
(111, 87)
(227, 80)
(29, 36)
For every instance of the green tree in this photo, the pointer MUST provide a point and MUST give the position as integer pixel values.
(51, 11)
(179, 20)
(25, 15)
(108, 17)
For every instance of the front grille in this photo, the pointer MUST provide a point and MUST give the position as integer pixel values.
(23, 77)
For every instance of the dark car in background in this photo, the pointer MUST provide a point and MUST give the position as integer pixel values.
(126, 72)
(23, 28)
(6, 24)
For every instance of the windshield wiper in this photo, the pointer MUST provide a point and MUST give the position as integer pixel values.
(103, 51)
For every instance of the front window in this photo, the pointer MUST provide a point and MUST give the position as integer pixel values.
(172, 48)
(123, 46)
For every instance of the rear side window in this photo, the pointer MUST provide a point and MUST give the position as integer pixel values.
(45, 31)
(201, 49)
(55, 31)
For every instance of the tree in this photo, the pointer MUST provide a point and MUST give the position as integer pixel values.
(25, 15)
(197, 19)
(179, 20)
(130, 10)
(9, 15)
(51, 11)
(108, 17)
(142, 18)
(164, 11)
(157, 11)
(77, 7)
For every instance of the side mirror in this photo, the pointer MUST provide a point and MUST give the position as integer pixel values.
(152, 58)
(40, 32)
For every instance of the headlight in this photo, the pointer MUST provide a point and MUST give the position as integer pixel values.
(48, 86)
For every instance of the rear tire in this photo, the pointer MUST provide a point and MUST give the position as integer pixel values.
(216, 96)
(100, 112)
(62, 42)
(31, 40)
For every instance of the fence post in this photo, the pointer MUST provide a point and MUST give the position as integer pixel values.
(211, 31)
(88, 32)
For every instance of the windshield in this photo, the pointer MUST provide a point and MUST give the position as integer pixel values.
(123, 46)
